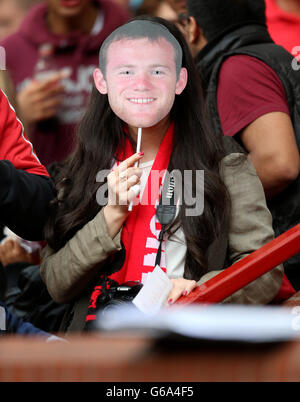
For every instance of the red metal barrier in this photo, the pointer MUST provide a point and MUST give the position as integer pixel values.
(246, 270)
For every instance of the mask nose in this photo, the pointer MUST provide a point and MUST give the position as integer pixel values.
(142, 82)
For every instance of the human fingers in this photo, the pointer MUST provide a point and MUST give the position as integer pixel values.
(127, 173)
(41, 94)
(126, 191)
(181, 287)
(190, 286)
(53, 80)
(17, 249)
(54, 90)
(1, 254)
(8, 245)
(47, 109)
(130, 182)
(35, 89)
(123, 186)
(7, 251)
(134, 191)
(20, 254)
(129, 178)
(39, 91)
(52, 103)
(35, 104)
(129, 162)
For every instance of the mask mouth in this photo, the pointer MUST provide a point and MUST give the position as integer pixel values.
(141, 101)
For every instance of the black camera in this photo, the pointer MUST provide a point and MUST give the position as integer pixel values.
(119, 295)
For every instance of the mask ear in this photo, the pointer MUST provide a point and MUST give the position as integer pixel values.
(100, 81)
(182, 81)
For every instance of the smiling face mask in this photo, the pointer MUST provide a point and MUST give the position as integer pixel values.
(141, 74)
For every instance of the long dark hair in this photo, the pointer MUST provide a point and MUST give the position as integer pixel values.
(196, 147)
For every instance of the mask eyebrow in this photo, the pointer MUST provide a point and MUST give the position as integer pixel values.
(160, 66)
(157, 65)
(124, 66)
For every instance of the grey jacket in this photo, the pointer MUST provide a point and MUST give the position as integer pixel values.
(69, 272)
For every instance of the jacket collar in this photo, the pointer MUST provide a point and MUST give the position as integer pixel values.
(230, 40)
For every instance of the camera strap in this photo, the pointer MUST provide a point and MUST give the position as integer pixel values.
(165, 213)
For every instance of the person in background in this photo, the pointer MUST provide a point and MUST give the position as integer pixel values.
(26, 296)
(179, 6)
(11, 324)
(158, 8)
(252, 93)
(26, 189)
(283, 22)
(50, 60)
(12, 13)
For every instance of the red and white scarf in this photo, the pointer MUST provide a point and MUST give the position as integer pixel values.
(141, 229)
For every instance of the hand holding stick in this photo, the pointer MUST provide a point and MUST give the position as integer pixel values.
(138, 149)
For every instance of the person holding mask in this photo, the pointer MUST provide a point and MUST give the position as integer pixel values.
(50, 61)
(96, 242)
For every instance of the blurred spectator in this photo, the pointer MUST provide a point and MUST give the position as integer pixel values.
(160, 8)
(179, 6)
(170, 10)
(24, 292)
(7, 87)
(50, 60)
(283, 21)
(252, 92)
(10, 323)
(157, 8)
(124, 3)
(12, 13)
(15, 249)
(26, 189)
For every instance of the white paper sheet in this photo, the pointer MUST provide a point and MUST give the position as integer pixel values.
(154, 293)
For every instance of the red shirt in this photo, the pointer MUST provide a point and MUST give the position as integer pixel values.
(247, 89)
(284, 27)
(14, 146)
